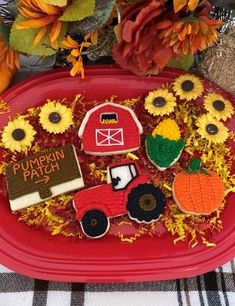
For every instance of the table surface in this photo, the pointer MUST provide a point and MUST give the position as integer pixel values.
(216, 288)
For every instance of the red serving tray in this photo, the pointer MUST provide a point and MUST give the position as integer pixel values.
(37, 254)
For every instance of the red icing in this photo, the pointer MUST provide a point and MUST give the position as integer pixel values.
(122, 135)
(105, 198)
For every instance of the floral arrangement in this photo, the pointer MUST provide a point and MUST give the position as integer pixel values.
(142, 36)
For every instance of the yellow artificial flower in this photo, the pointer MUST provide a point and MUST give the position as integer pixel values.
(42, 16)
(188, 87)
(160, 102)
(189, 5)
(212, 129)
(75, 56)
(218, 107)
(168, 128)
(55, 117)
(18, 135)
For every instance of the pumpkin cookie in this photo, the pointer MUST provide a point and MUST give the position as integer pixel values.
(197, 190)
(165, 145)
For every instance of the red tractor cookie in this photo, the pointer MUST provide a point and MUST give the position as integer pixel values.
(128, 191)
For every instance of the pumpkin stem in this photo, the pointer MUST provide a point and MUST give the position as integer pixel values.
(195, 167)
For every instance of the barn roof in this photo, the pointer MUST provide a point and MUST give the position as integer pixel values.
(94, 109)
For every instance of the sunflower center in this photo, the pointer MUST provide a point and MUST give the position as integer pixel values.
(18, 134)
(159, 102)
(54, 117)
(187, 85)
(219, 105)
(212, 129)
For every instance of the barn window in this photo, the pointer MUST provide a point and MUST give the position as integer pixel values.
(107, 118)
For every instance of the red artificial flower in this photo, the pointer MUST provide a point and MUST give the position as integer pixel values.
(139, 48)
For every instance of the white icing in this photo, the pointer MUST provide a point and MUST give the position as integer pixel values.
(109, 137)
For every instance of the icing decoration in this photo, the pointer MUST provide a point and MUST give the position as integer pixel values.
(164, 146)
(128, 191)
(55, 117)
(160, 102)
(198, 191)
(43, 176)
(212, 129)
(188, 87)
(18, 135)
(110, 128)
(218, 106)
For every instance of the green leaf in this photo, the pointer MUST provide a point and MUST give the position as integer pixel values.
(56, 2)
(22, 40)
(103, 9)
(78, 10)
(185, 62)
(4, 32)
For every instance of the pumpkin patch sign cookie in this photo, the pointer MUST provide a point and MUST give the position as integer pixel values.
(42, 176)
(197, 190)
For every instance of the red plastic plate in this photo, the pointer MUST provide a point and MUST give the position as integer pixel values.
(39, 255)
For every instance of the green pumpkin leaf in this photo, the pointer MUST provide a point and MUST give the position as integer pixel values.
(101, 14)
(4, 32)
(78, 10)
(163, 151)
(185, 62)
(56, 2)
(22, 40)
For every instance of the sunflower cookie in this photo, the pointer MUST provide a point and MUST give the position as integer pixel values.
(55, 118)
(197, 190)
(212, 129)
(188, 87)
(18, 135)
(165, 145)
(218, 107)
(160, 102)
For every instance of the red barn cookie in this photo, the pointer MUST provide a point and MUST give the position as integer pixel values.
(109, 129)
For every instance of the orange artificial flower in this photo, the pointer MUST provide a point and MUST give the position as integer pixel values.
(75, 56)
(41, 16)
(8, 57)
(93, 37)
(189, 5)
(9, 63)
(191, 34)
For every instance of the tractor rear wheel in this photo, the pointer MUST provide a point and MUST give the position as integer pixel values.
(95, 224)
(145, 203)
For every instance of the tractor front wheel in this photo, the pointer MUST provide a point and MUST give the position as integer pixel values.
(95, 224)
(145, 203)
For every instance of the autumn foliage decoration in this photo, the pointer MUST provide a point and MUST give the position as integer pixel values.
(153, 32)
(42, 16)
(9, 60)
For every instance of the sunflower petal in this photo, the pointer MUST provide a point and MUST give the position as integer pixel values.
(34, 23)
(55, 32)
(39, 36)
(179, 4)
(192, 4)
(30, 14)
(48, 9)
